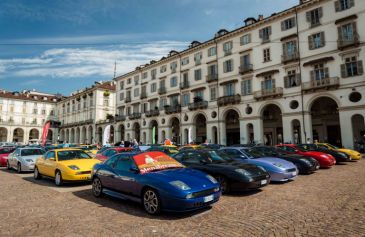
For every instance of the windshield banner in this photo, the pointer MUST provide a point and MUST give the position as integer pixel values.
(155, 160)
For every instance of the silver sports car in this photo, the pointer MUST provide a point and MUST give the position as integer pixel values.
(23, 159)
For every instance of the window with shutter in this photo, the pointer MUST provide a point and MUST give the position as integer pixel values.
(343, 71)
(360, 68)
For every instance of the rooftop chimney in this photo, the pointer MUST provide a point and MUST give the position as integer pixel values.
(260, 18)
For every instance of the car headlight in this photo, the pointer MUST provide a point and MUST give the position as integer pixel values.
(180, 185)
(73, 167)
(29, 160)
(211, 178)
(242, 171)
(189, 196)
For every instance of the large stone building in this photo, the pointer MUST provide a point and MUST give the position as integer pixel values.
(293, 76)
(23, 114)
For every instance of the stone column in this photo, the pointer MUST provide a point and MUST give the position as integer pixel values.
(308, 127)
(287, 129)
(347, 136)
(258, 130)
(222, 133)
(243, 132)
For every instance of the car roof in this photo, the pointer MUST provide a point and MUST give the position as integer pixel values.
(67, 149)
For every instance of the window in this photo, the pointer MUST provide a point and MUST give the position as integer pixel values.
(136, 80)
(288, 24)
(185, 61)
(341, 5)
(136, 108)
(314, 16)
(121, 85)
(212, 51)
(173, 66)
(316, 41)
(153, 105)
(229, 89)
(174, 100)
(352, 67)
(144, 107)
(144, 75)
(213, 93)
(347, 34)
(124, 164)
(43, 111)
(129, 81)
(163, 102)
(35, 111)
(267, 56)
(186, 76)
(162, 83)
(199, 93)
(292, 79)
(153, 74)
(129, 111)
(106, 102)
(185, 99)
(136, 92)
(265, 33)
(246, 39)
(319, 73)
(121, 96)
(246, 87)
(173, 81)
(128, 94)
(153, 87)
(245, 60)
(227, 47)
(290, 50)
(212, 69)
(198, 74)
(197, 58)
(268, 83)
(163, 69)
(228, 66)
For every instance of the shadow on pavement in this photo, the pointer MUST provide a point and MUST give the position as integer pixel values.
(243, 193)
(133, 208)
(48, 182)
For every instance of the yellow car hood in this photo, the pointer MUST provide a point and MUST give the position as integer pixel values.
(83, 164)
(348, 151)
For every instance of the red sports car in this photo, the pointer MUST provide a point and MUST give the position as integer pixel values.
(4, 152)
(112, 151)
(324, 160)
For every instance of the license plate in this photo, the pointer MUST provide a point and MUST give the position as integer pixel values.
(294, 173)
(208, 198)
(263, 182)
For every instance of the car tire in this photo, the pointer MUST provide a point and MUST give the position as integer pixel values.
(37, 175)
(8, 165)
(151, 201)
(223, 182)
(97, 187)
(58, 178)
(19, 168)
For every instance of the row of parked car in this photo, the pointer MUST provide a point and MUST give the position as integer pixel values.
(171, 179)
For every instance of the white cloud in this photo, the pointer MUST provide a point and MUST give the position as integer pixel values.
(87, 61)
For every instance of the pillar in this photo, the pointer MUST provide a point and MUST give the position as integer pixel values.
(347, 136)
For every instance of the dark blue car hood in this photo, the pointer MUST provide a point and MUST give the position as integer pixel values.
(195, 179)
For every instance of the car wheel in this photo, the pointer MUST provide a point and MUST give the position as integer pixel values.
(151, 202)
(37, 175)
(19, 168)
(58, 179)
(97, 187)
(223, 183)
(8, 165)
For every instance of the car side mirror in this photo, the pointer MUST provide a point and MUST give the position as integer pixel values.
(52, 159)
(134, 169)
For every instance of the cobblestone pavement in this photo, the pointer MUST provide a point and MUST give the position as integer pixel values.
(328, 203)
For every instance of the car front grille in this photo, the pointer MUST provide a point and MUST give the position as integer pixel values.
(291, 170)
(84, 172)
(203, 193)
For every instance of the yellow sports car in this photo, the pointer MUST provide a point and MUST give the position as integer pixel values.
(89, 149)
(353, 154)
(68, 164)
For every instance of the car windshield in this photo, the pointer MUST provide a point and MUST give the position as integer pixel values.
(253, 154)
(31, 152)
(308, 147)
(154, 160)
(72, 155)
(332, 146)
(217, 156)
(6, 150)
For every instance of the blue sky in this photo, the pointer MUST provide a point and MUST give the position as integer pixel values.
(61, 46)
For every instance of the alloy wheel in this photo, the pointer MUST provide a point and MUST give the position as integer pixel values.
(58, 178)
(36, 173)
(97, 187)
(151, 202)
(223, 184)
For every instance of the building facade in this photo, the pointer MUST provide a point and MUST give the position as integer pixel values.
(23, 115)
(291, 77)
(86, 113)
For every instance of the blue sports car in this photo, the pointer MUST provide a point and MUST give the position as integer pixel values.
(280, 170)
(156, 180)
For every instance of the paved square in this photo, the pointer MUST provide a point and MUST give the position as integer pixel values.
(328, 203)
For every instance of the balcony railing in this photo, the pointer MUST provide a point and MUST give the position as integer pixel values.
(344, 43)
(9, 122)
(245, 68)
(229, 99)
(212, 77)
(152, 113)
(135, 116)
(119, 118)
(286, 58)
(143, 95)
(172, 109)
(128, 99)
(324, 83)
(184, 85)
(265, 93)
(198, 105)
(162, 90)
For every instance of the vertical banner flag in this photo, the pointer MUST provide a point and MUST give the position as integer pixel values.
(190, 132)
(106, 135)
(154, 135)
(45, 132)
